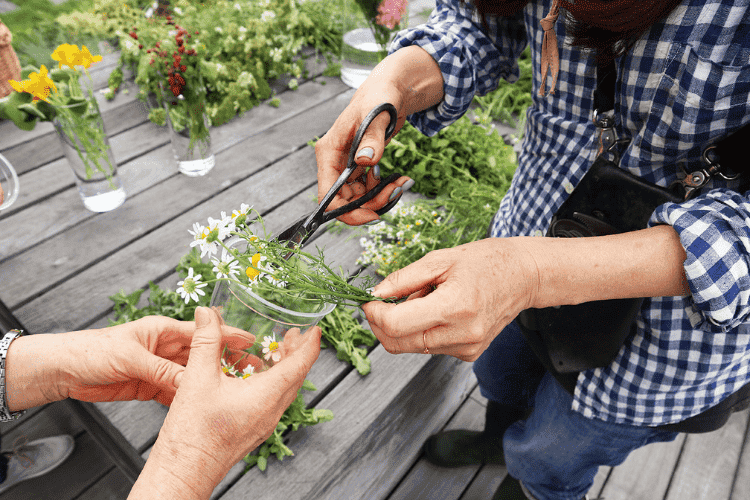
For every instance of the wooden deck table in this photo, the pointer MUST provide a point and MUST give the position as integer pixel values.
(59, 264)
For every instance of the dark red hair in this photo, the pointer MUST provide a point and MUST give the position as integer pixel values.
(608, 26)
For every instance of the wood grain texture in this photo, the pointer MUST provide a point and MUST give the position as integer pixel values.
(652, 465)
(380, 423)
(741, 487)
(708, 462)
(426, 481)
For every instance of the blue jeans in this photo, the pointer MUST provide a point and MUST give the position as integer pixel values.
(556, 452)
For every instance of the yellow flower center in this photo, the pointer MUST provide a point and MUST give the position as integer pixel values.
(273, 346)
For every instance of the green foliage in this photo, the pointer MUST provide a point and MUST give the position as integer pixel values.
(36, 32)
(343, 332)
(295, 417)
(411, 231)
(242, 44)
(465, 151)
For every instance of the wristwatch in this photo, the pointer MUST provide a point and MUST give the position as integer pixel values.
(5, 414)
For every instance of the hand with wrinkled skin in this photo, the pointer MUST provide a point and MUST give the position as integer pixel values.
(214, 419)
(411, 81)
(458, 300)
(136, 360)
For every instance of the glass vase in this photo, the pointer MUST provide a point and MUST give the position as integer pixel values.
(81, 131)
(268, 316)
(189, 134)
(365, 38)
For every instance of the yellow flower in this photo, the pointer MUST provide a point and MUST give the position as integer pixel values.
(39, 84)
(87, 59)
(70, 55)
(67, 55)
(252, 272)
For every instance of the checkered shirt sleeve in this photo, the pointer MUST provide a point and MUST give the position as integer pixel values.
(715, 231)
(472, 61)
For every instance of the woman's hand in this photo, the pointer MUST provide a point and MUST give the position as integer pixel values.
(411, 80)
(332, 153)
(214, 419)
(459, 299)
(137, 360)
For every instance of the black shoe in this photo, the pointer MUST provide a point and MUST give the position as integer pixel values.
(459, 448)
(510, 489)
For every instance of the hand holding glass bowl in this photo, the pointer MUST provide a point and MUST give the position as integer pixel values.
(263, 286)
(9, 185)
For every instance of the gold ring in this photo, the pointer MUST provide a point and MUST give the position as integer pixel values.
(426, 350)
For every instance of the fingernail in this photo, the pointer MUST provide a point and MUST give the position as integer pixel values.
(202, 317)
(366, 153)
(394, 194)
(407, 185)
(376, 172)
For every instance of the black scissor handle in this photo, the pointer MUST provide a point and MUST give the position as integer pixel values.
(351, 166)
(353, 205)
(386, 106)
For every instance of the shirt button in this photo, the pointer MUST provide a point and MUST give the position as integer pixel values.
(568, 187)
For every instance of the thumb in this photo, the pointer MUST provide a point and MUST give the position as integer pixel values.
(205, 349)
(373, 141)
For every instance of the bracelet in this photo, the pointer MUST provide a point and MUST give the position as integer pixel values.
(5, 414)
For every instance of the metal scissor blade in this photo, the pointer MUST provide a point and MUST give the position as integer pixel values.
(295, 233)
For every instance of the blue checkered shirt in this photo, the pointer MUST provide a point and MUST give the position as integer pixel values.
(684, 85)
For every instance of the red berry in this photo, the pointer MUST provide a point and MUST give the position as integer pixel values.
(183, 68)
(140, 45)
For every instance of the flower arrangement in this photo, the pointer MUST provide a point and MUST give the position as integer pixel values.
(58, 96)
(265, 286)
(172, 73)
(384, 18)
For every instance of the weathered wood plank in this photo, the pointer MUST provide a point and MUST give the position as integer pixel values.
(485, 483)
(380, 423)
(708, 462)
(112, 486)
(426, 481)
(87, 464)
(741, 487)
(64, 210)
(645, 474)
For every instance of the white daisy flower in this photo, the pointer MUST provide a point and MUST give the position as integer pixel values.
(190, 287)
(246, 372)
(267, 16)
(228, 267)
(271, 349)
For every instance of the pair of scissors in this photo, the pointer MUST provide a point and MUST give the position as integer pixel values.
(299, 232)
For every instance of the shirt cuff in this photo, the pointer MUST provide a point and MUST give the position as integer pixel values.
(715, 231)
(471, 62)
